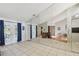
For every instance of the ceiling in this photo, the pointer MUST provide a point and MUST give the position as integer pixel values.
(24, 11)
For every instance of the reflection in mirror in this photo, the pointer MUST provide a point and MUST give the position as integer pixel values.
(74, 29)
(75, 33)
(61, 31)
(55, 36)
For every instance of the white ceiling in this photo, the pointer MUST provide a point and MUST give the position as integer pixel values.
(21, 10)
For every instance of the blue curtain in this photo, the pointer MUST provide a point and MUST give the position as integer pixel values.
(19, 32)
(36, 31)
(2, 41)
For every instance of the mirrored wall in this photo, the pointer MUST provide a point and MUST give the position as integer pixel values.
(75, 29)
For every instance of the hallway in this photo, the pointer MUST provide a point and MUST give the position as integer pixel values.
(42, 29)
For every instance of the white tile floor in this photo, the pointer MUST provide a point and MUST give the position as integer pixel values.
(37, 47)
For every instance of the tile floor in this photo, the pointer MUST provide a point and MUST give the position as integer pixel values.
(36, 47)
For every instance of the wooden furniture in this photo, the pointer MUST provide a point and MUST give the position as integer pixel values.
(45, 35)
(62, 38)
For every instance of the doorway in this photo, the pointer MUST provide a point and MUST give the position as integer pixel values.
(33, 31)
(51, 31)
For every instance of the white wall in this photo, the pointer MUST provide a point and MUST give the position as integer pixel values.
(24, 31)
(62, 25)
(33, 31)
(38, 30)
(75, 23)
(27, 31)
(58, 18)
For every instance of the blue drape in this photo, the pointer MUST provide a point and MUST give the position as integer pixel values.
(30, 31)
(2, 41)
(19, 32)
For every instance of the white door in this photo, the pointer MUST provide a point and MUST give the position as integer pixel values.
(23, 32)
(33, 31)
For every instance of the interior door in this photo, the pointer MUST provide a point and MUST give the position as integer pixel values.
(51, 31)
